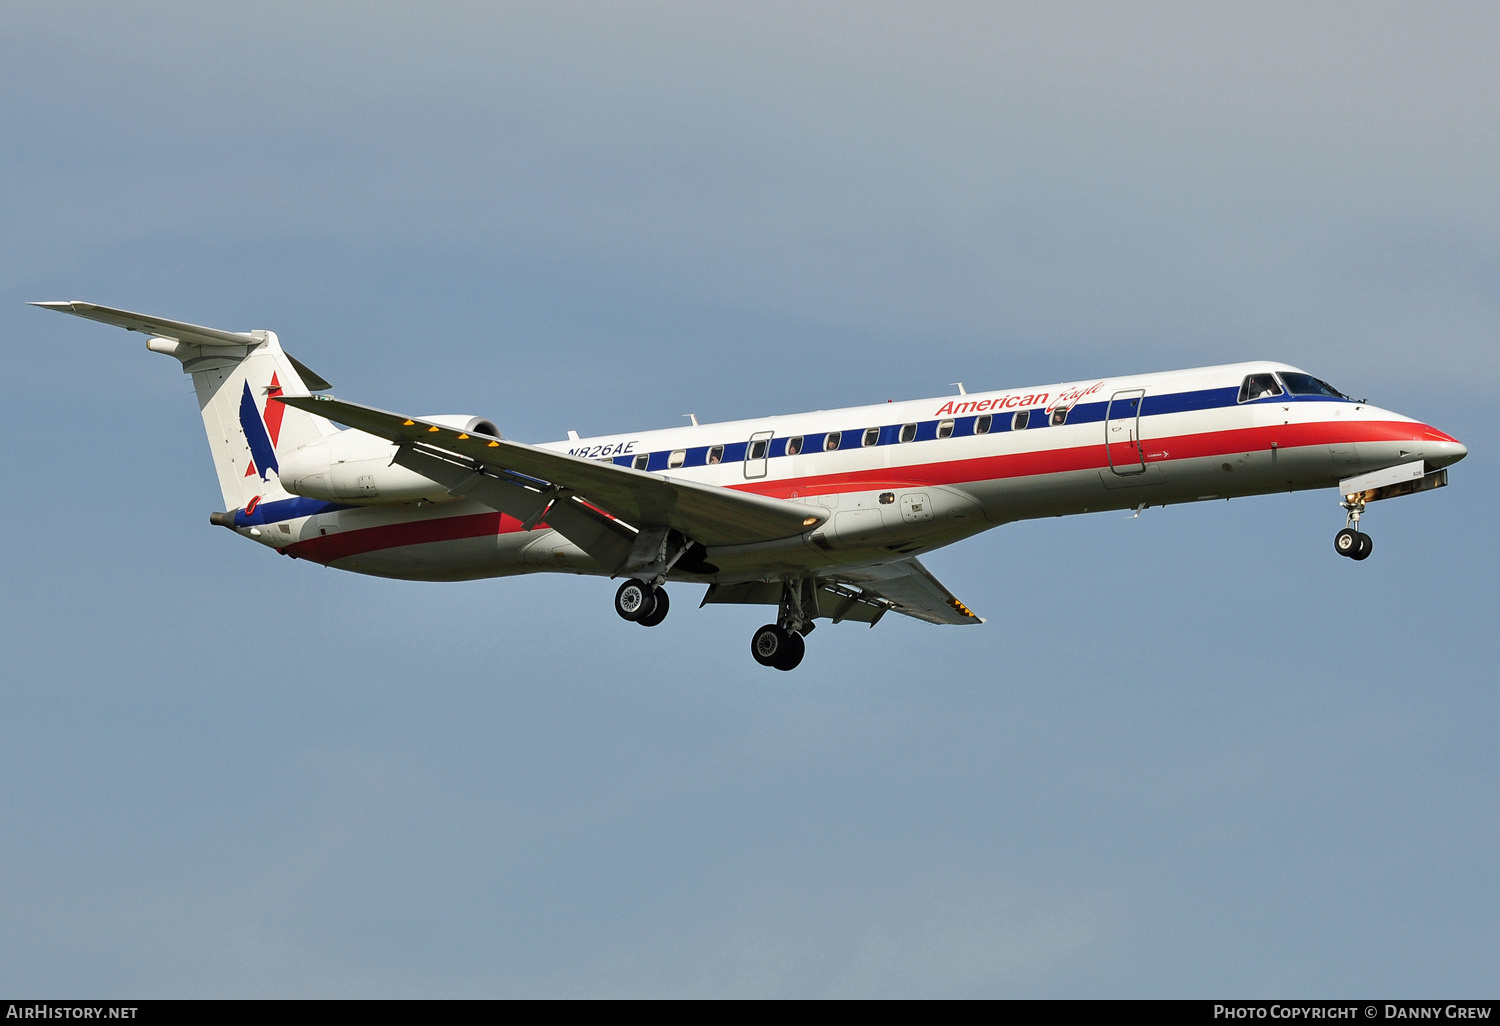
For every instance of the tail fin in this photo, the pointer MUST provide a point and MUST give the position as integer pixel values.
(235, 375)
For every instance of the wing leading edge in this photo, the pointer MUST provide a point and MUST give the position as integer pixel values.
(704, 513)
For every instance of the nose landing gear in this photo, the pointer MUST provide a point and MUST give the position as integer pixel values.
(1351, 541)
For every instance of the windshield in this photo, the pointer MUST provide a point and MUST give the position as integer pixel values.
(1298, 383)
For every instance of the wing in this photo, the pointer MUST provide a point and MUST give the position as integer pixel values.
(911, 589)
(704, 513)
(864, 594)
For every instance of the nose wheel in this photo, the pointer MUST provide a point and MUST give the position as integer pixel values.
(1351, 541)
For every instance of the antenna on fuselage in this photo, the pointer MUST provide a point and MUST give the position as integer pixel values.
(961, 389)
(692, 417)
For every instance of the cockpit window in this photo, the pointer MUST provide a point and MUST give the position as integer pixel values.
(1298, 383)
(1258, 386)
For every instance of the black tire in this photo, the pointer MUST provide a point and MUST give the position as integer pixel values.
(659, 612)
(1364, 547)
(792, 653)
(1346, 542)
(635, 600)
(769, 644)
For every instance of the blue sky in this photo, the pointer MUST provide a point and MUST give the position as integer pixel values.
(1194, 754)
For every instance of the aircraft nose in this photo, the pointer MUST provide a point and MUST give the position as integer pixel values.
(1442, 449)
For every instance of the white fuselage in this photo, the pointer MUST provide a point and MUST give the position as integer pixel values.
(905, 477)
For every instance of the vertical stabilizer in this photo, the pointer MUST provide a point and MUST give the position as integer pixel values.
(246, 428)
(235, 374)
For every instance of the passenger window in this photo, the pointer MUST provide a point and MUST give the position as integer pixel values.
(1020, 420)
(872, 436)
(794, 445)
(945, 429)
(1258, 386)
(642, 461)
(1059, 417)
(678, 457)
(908, 432)
(715, 455)
(982, 425)
(758, 449)
(832, 441)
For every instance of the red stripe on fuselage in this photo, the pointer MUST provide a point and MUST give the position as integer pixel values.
(344, 544)
(1094, 457)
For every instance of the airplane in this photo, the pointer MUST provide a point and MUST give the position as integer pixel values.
(821, 515)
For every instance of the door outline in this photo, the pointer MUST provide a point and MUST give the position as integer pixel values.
(755, 467)
(1122, 427)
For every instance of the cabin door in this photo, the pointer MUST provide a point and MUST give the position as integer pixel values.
(1122, 432)
(757, 451)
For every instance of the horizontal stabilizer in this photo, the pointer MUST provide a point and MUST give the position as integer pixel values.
(197, 334)
(193, 334)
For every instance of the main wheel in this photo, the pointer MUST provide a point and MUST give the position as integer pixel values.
(769, 645)
(792, 652)
(1363, 547)
(635, 600)
(1346, 542)
(658, 614)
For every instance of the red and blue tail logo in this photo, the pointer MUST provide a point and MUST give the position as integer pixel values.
(262, 431)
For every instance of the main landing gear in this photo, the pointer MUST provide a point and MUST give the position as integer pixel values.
(642, 603)
(780, 644)
(1351, 541)
(777, 646)
(642, 599)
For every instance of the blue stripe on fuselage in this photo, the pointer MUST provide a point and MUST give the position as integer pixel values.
(1002, 420)
(285, 509)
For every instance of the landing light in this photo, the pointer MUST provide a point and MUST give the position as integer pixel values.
(809, 521)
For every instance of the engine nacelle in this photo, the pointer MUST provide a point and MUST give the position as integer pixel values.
(355, 467)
